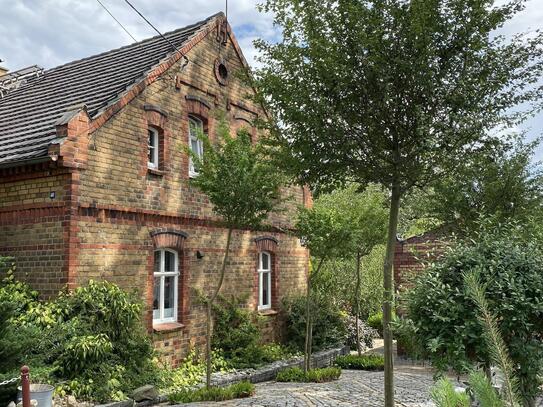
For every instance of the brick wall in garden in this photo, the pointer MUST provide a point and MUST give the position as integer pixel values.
(412, 254)
(110, 212)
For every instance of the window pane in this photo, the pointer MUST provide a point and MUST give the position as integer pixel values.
(265, 293)
(265, 261)
(157, 261)
(152, 146)
(156, 298)
(169, 261)
(169, 296)
(194, 146)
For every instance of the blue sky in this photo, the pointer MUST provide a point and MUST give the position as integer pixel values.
(51, 32)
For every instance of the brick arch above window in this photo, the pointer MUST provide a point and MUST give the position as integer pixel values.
(198, 106)
(169, 238)
(266, 243)
(155, 116)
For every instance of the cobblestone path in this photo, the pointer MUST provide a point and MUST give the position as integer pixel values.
(354, 388)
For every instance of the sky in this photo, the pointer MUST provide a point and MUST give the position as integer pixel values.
(52, 32)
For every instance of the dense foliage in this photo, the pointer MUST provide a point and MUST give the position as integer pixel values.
(444, 318)
(234, 391)
(91, 339)
(336, 281)
(365, 336)
(363, 362)
(321, 375)
(328, 319)
(498, 185)
(237, 336)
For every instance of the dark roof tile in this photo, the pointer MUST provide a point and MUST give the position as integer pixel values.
(28, 113)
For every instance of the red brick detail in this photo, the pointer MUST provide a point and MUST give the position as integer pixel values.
(152, 76)
(268, 244)
(156, 118)
(73, 150)
(173, 239)
(167, 238)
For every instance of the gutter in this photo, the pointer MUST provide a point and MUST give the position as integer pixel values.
(28, 161)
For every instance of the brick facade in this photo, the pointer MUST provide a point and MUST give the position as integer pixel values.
(98, 212)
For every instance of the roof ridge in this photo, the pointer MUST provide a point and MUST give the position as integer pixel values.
(134, 44)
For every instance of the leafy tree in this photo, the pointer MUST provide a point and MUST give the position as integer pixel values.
(393, 92)
(324, 231)
(447, 325)
(243, 187)
(367, 214)
(498, 185)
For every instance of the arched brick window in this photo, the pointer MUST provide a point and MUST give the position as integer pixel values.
(266, 281)
(155, 141)
(198, 122)
(168, 280)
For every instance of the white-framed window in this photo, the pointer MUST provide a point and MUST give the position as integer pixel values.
(166, 273)
(264, 280)
(152, 161)
(196, 127)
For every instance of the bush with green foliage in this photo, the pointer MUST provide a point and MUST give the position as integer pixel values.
(329, 323)
(234, 391)
(376, 321)
(320, 375)
(445, 320)
(363, 362)
(91, 339)
(237, 336)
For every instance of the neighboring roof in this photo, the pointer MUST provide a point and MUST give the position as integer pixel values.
(28, 113)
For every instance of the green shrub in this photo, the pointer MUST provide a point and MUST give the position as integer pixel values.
(376, 321)
(295, 374)
(363, 362)
(329, 323)
(237, 335)
(445, 319)
(234, 391)
(91, 339)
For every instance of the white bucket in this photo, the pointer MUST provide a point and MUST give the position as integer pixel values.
(42, 393)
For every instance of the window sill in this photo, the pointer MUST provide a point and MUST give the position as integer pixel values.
(267, 312)
(155, 171)
(193, 174)
(168, 327)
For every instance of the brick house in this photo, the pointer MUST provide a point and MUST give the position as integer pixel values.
(94, 183)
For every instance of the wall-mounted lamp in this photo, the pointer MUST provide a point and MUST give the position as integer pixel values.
(52, 195)
(199, 255)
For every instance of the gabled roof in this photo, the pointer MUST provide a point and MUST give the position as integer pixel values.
(28, 113)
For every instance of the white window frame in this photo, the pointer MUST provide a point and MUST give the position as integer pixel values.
(154, 134)
(261, 272)
(198, 123)
(162, 274)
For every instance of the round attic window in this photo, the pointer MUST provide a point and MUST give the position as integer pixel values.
(221, 72)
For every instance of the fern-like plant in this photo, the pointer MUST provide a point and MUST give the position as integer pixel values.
(497, 349)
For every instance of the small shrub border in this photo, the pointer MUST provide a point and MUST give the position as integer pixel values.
(363, 362)
(235, 391)
(321, 375)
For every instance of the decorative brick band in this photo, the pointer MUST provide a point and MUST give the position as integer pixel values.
(198, 99)
(266, 243)
(171, 238)
(154, 108)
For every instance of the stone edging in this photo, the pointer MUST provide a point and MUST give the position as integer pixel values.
(263, 374)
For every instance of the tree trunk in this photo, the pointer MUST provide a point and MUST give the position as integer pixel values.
(307, 325)
(209, 304)
(208, 343)
(388, 295)
(308, 319)
(357, 304)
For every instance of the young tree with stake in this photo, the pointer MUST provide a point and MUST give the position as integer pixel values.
(393, 92)
(243, 188)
